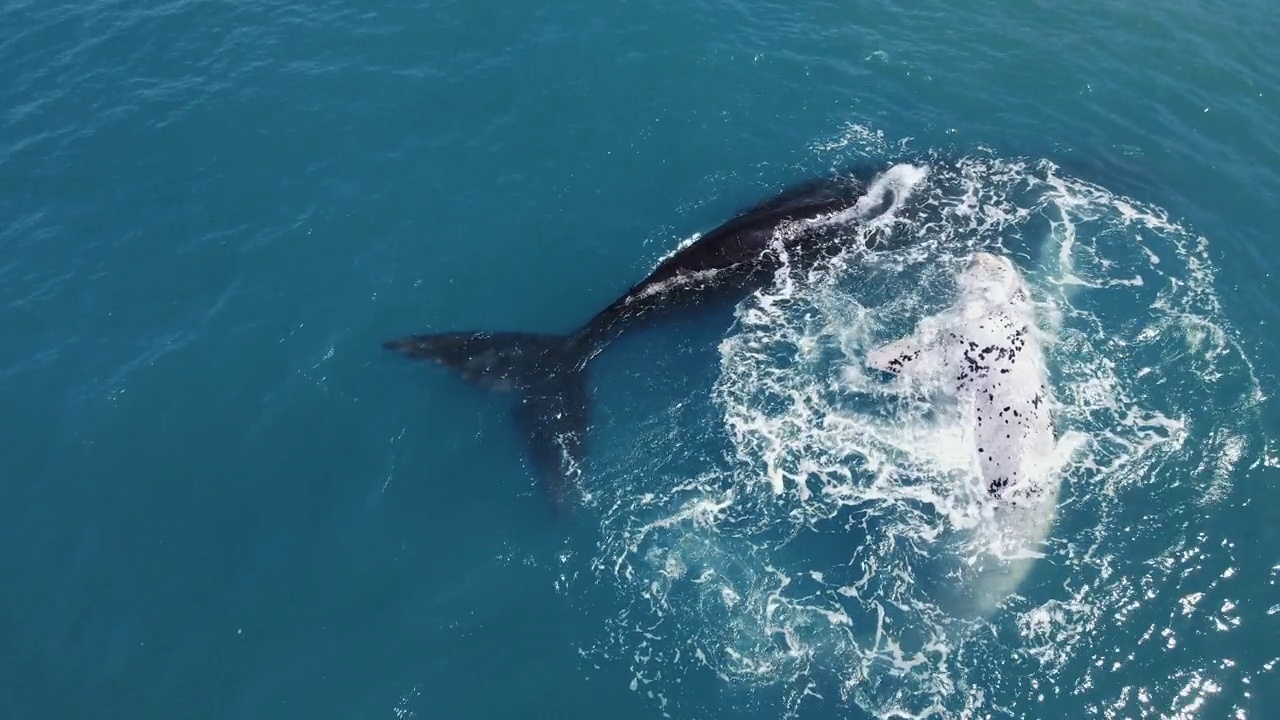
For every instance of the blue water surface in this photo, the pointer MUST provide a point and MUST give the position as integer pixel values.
(223, 499)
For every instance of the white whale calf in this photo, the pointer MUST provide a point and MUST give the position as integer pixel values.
(985, 351)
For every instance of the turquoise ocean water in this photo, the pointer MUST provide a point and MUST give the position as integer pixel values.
(222, 499)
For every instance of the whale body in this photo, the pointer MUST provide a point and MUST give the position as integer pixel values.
(546, 372)
(984, 350)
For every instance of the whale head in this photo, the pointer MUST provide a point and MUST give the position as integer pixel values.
(992, 278)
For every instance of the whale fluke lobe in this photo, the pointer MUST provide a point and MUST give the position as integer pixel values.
(548, 374)
(493, 360)
(553, 416)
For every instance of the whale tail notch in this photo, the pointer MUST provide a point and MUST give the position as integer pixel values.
(546, 373)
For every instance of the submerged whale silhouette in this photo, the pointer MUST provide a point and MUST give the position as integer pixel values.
(547, 371)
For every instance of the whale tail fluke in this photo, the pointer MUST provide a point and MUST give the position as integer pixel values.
(547, 375)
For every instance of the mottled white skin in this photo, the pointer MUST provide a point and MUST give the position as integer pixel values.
(985, 351)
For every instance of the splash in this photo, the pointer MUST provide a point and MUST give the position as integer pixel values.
(833, 553)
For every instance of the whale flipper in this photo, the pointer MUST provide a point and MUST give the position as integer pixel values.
(546, 372)
(901, 356)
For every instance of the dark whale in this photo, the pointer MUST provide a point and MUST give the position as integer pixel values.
(548, 372)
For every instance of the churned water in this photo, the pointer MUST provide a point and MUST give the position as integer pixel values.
(221, 498)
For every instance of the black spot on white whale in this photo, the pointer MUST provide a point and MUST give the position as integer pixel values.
(547, 373)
